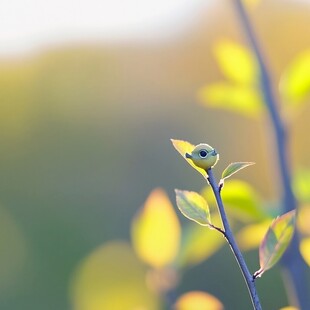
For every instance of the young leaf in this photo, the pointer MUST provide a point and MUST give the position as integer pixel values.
(193, 206)
(276, 241)
(184, 147)
(234, 167)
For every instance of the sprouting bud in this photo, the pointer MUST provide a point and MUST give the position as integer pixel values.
(203, 156)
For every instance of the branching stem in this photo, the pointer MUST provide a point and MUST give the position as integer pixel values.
(233, 245)
(292, 260)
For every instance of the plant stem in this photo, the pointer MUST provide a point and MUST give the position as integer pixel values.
(292, 260)
(234, 247)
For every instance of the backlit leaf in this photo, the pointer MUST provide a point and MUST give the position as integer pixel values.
(236, 98)
(234, 167)
(184, 147)
(197, 300)
(276, 241)
(156, 231)
(295, 82)
(198, 244)
(193, 206)
(236, 62)
(305, 249)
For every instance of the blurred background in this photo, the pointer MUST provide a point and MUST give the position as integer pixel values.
(90, 94)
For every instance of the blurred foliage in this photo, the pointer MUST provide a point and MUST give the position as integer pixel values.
(198, 301)
(84, 135)
(295, 83)
(156, 231)
(112, 278)
(239, 93)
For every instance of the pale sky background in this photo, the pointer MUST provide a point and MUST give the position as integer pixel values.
(26, 25)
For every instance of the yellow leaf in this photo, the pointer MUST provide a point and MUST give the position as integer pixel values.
(305, 249)
(251, 236)
(295, 81)
(156, 231)
(197, 300)
(303, 219)
(236, 62)
(289, 308)
(241, 99)
(111, 277)
(184, 147)
(276, 241)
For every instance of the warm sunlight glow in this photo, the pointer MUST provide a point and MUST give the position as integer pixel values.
(31, 24)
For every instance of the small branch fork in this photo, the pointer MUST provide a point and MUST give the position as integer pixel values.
(292, 260)
(249, 279)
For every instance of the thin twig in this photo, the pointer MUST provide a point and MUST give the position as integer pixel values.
(292, 260)
(234, 247)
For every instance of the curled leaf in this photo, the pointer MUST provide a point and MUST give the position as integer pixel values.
(234, 167)
(276, 241)
(184, 147)
(193, 206)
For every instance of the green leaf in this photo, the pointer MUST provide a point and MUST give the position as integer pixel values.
(193, 206)
(234, 167)
(295, 81)
(276, 241)
(245, 100)
(184, 147)
(236, 62)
